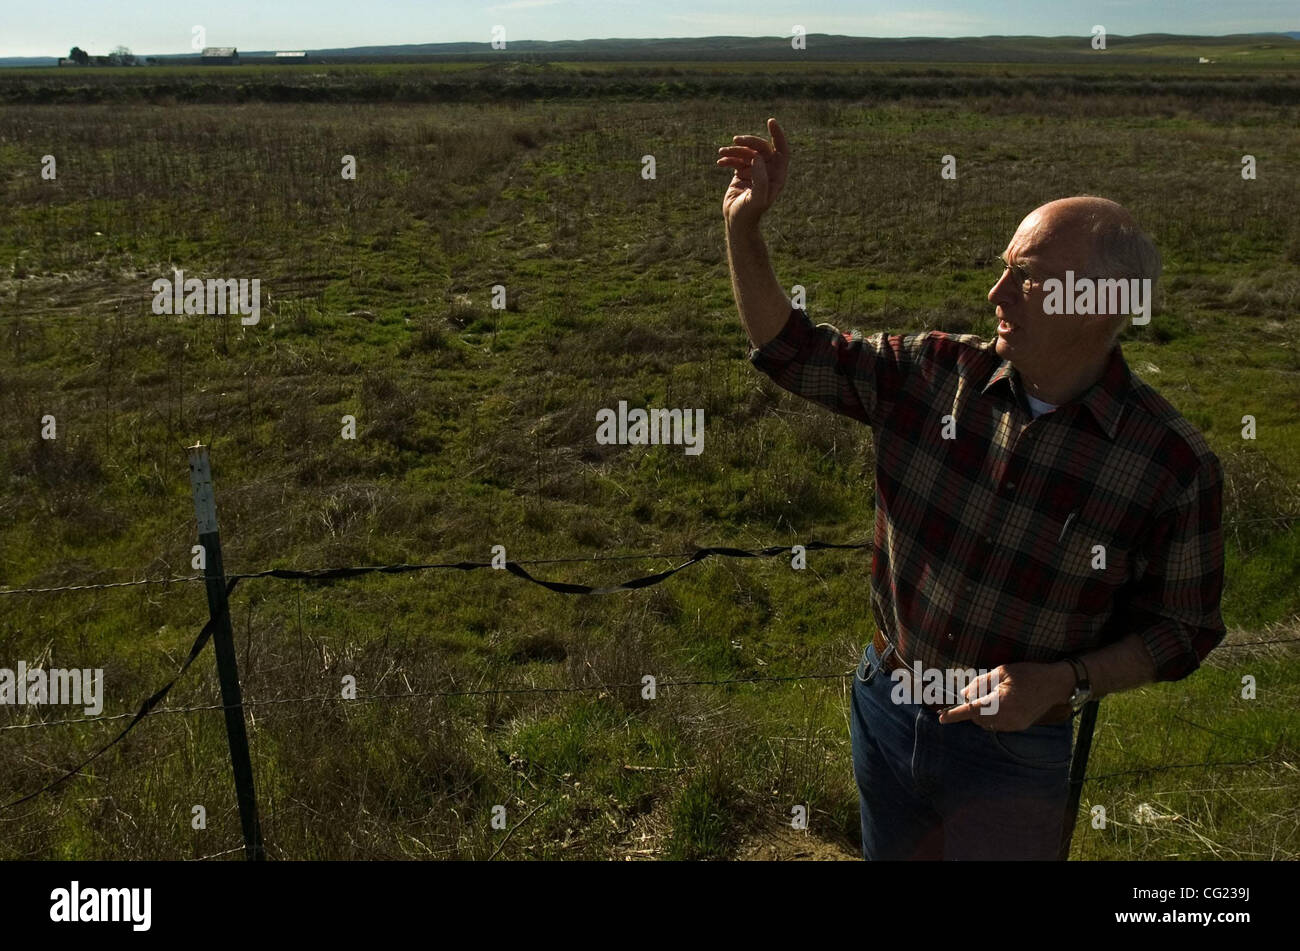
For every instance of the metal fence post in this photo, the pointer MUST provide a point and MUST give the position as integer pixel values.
(223, 641)
(1078, 769)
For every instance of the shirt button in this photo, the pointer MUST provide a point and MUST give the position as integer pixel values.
(1011, 485)
(988, 539)
(949, 637)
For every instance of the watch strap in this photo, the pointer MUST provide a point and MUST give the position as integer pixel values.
(1082, 683)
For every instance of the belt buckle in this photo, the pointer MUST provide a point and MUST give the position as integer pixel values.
(889, 649)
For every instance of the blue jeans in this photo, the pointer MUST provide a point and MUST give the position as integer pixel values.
(929, 790)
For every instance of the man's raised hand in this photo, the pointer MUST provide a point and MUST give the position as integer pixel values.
(760, 173)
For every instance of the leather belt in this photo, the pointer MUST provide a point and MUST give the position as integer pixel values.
(1057, 714)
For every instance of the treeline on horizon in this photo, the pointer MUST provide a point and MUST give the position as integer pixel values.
(1139, 48)
(510, 82)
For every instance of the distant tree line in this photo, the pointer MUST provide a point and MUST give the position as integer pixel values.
(121, 56)
(410, 84)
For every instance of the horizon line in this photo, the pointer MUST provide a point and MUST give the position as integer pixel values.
(710, 36)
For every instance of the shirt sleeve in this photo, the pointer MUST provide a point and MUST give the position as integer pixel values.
(1175, 605)
(845, 372)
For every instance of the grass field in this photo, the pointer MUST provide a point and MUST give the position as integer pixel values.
(476, 428)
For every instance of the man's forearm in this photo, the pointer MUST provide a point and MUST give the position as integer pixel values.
(762, 302)
(1120, 666)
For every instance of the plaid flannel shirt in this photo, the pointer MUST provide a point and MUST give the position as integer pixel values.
(988, 521)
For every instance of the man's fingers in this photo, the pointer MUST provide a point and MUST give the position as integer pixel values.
(759, 172)
(748, 157)
(976, 707)
(755, 142)
(967, 711)
(779, 140)
(984, 685)
(743, 173)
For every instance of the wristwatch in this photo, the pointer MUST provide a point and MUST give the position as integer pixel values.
(1082, 686)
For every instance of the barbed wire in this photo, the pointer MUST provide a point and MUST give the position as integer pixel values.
(97, 587)
(398, 566)
(592, 688)
(148, 708)
(1169, 766)
(646, 556)
(214, 855)
(1280, 640)
(407, 695)
(490, 691)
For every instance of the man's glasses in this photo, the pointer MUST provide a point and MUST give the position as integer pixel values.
(1018, 273)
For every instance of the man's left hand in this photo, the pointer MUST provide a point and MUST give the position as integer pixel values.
(1012, 697)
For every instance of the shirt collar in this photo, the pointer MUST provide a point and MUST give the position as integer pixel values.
(1105, 399)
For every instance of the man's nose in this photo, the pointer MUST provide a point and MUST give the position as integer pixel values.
(1001, 291)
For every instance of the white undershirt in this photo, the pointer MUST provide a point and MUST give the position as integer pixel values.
(1038, 407)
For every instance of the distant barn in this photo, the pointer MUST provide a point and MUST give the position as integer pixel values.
(220, 56)
(289, 55)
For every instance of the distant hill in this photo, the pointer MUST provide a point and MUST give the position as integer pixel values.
(29, 61)
(1150, 47)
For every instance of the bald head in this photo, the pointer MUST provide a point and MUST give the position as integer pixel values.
(1060, 342)
(1086, 213)
(1095, 237)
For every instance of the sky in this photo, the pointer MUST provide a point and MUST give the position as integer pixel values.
(52, 27)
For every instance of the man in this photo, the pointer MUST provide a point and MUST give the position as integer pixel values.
(1046, 524)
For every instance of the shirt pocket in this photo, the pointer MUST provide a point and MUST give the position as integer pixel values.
(1091, 565)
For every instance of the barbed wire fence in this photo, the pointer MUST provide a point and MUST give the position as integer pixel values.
(220, 585)
(336, 572)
